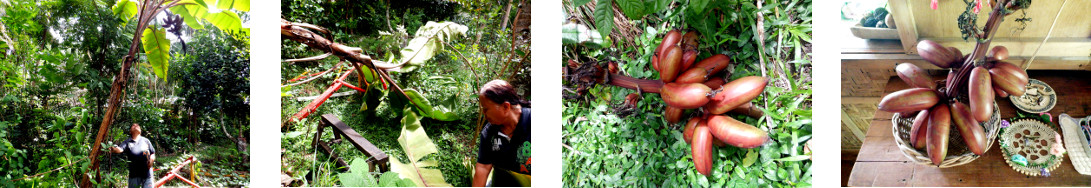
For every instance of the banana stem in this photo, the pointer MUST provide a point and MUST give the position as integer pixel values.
(977, 57)
(642, 85)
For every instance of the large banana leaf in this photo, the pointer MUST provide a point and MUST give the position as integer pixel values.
(228, 22)
(416, 144)
(427, 41)
(421, 104)
(240, 5)
(157, 48)
(125, 9)
(192, 11)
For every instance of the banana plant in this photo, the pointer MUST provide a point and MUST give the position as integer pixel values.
(416, 144)
(373, 74)
(152, 40)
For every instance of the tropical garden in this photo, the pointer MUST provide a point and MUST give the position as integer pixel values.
(686, 93)
(76, 73)
(402, 75)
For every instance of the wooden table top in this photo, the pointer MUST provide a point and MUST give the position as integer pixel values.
(881, 163)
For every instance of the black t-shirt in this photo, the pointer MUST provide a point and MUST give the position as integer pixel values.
(506, 152)
(134, 151)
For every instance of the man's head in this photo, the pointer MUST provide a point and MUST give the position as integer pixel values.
(500, 103)
(134, 130)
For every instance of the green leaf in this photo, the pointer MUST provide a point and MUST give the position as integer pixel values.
(416, 144)
(240, 5)
(227, 21)
(191, 13)
(157, 48)
(604, 17)
(124, 9)
(573, 33)
(576, 3)
(424, 106)
(389, 179)
(634, 9)
(751, 157)
(698, 6)
(794, 158)
(655, 6)
(358, 176)
(429, 39)
(443, 114)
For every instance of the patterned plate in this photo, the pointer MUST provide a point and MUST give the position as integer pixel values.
(1038, 98)
(1030, 142)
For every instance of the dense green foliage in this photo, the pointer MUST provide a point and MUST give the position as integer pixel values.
(643, 150)
(57, 78)
(449, 79)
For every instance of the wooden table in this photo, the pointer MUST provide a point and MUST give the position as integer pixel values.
(881, 163)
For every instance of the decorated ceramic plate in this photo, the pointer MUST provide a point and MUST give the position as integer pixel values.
(1038, 98)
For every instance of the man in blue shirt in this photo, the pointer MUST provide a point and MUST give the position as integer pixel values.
(141, 155)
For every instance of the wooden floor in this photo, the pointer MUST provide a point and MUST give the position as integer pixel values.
(881, 163)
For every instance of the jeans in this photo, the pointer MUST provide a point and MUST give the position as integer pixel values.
(140, 182)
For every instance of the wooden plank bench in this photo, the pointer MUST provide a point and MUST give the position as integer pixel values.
(378, 159)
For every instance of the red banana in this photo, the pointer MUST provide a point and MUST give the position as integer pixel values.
(715, 83)
(1000, 93)
(671, 39)
(917, 133)
(999, 52)
(939, 126)
(908, 100)
(914, 76)
(688, 56)
(936, 54)
(714, 64)
(981, 94)
(957, 52)
(672, 114)
(687, 133)
(670, 64)
(971, 132)
(736, 133)
(685, 96)
(702, 150)
(735, 93)
(1009, 78)
(655, 62)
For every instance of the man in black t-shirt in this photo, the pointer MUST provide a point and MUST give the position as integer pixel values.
(504, 148)
(141, 155)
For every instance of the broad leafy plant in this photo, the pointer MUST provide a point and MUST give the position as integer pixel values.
(416, 144)
(359, 176)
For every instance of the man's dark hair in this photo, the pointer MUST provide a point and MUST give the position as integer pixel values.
(500, 91)
(134, 126)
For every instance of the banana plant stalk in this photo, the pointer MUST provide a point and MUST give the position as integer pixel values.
(318, 101)
(147, 12)
(984, 39)
(656, 86)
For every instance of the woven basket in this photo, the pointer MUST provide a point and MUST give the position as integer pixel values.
(957, 151)
(1075, 141)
